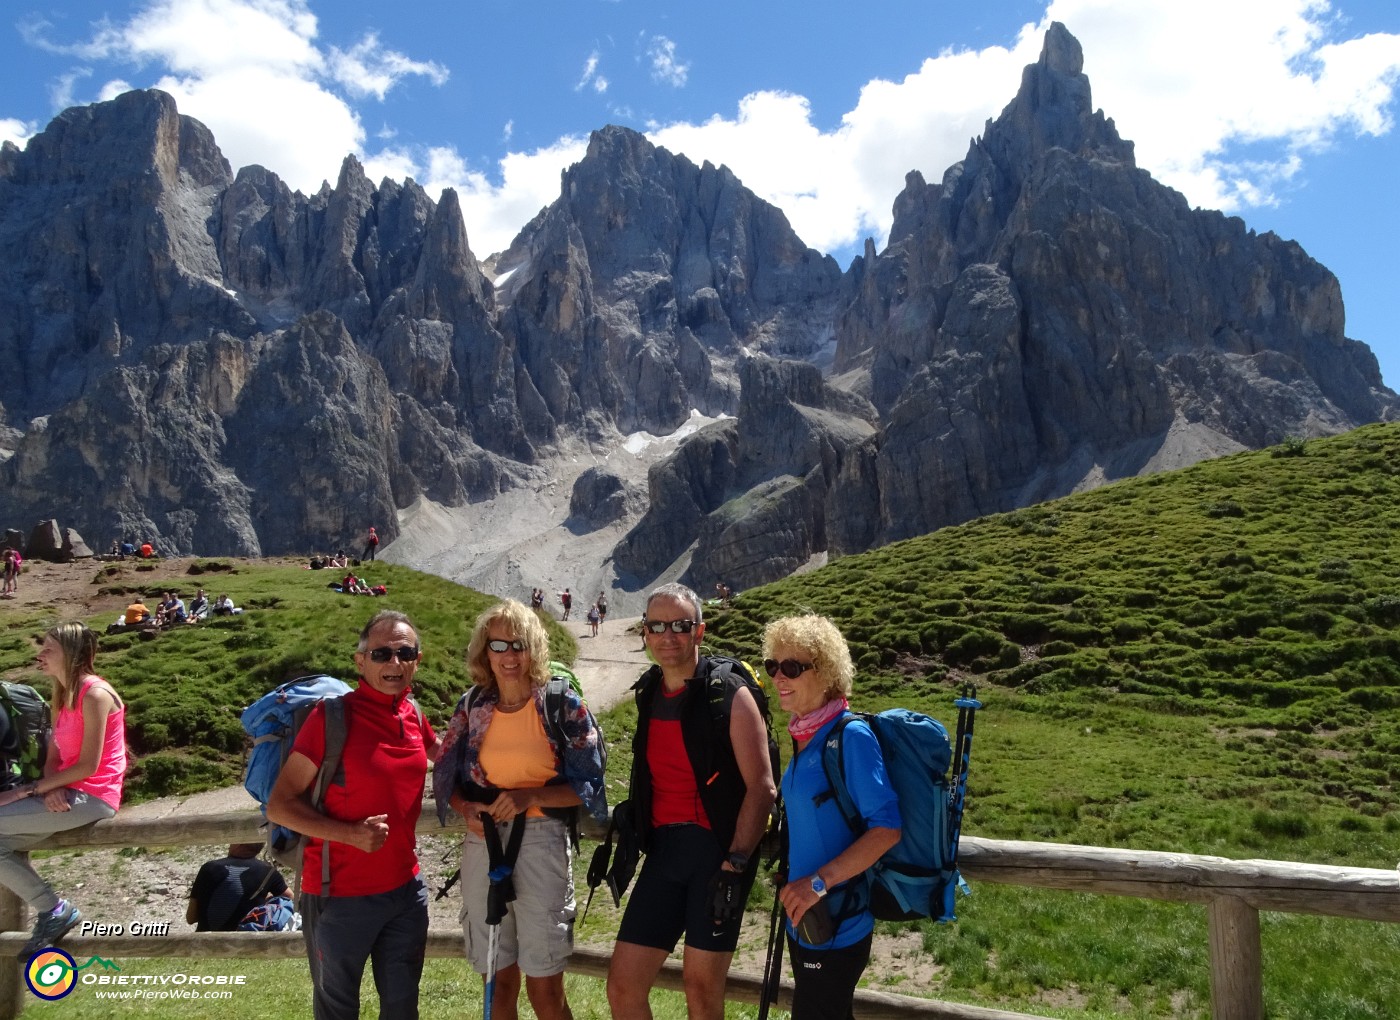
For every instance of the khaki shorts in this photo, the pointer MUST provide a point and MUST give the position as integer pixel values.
(538, 929)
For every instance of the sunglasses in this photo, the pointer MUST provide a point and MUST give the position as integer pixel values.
(792, 669)
(674, 626)
(404, 653)
(498, 645)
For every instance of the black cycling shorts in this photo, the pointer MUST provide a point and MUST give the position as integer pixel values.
(671, 896)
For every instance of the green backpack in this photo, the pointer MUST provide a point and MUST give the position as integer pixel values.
(25, 731)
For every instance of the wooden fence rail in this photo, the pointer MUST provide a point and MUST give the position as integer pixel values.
(1232, 891)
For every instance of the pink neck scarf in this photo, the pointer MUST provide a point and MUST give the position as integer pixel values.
(803, 726)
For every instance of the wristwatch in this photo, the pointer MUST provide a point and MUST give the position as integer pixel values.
(818, 886)
(738, 861)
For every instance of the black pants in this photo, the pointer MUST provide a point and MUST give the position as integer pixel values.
(824, 980)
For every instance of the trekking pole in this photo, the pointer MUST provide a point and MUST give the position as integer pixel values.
(967, 713)
(501, 863)
(773, 962)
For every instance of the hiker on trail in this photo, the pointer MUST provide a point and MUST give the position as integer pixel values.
(699, 831)
(226, 889)
(829, 925)
(567, 601)
(602, 604)
(11, 584)
(595, 617)
(377, 906)
(504, 755)
(371, 544)
(82, 781)
(537, 599)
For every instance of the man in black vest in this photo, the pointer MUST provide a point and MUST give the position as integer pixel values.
(702, 790)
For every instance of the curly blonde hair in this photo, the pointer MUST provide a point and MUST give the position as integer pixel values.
(523, 625)
(819, 638)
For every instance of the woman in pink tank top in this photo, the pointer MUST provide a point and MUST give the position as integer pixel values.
(82, 780)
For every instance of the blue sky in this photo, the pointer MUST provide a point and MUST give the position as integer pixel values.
(1280, 111)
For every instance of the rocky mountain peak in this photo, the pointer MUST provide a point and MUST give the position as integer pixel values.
(227, 365)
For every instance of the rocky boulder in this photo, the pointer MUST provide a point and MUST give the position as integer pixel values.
(600, 498)
(45, 542)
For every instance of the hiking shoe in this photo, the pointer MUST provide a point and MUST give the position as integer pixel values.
(51, 926)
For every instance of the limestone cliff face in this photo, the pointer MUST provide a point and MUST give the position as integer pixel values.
(1044, 318)
(634, 293)
(1049, 315)
(223, 365)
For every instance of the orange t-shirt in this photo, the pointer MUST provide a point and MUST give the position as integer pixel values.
(516, 753)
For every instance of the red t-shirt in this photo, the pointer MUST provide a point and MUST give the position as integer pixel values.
(385, 763)
(675, 799)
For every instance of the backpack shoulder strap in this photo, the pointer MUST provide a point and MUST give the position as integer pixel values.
(554, 705)
(834, 765)
(334, 715)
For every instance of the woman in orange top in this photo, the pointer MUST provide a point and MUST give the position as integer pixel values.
(503, 757)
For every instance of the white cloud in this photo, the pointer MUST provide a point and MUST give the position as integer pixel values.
(367, 69)
(494, 213)
(252, 72)
(664, 65)
(61, 93)
(17, 131)
(590, 68)
(1191, 82)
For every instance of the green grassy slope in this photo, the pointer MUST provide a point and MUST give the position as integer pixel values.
(1207, 660)
(1202, 661)
(187, 687)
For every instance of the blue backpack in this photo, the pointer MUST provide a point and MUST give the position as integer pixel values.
(273, 722)
(918, 876)
(276, 913)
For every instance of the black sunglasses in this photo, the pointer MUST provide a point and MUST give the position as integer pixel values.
(792, 669)
(404, 653)
(674, 626)
(497, 645)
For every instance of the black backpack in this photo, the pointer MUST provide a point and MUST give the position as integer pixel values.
(25, 730)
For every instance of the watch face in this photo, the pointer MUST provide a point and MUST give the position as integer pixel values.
(818, 886)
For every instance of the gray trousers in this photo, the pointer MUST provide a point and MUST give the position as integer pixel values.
(26, 823)
(342, 932)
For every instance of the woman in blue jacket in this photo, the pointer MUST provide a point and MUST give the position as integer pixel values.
(826, 897)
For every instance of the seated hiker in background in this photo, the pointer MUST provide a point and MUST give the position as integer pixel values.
(829, 924)
(504, 756)
(226, 889)
(339, 559)
(171, 610)
(82, 781)
(136, 613)
(225, 607)
(199, 607)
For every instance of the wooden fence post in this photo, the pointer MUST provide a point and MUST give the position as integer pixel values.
(11, 985)
(1236, 960)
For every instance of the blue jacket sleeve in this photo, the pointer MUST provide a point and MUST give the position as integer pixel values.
(867, 780)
